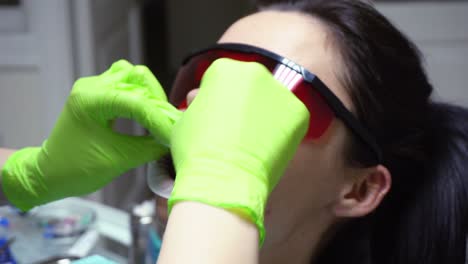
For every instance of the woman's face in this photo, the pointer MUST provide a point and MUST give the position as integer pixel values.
(312, 182)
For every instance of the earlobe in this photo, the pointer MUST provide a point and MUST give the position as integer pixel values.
(364, 193)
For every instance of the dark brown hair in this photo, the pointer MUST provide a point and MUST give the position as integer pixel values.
(423, 219)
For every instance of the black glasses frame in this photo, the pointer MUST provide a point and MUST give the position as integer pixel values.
(332, 100)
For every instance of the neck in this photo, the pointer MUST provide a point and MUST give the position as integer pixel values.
(301, 246)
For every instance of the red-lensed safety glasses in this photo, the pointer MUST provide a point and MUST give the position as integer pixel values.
(322, 104)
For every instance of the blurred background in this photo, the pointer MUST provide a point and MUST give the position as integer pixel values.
(46, 45)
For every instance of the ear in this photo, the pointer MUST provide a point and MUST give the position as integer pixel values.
(364, 192)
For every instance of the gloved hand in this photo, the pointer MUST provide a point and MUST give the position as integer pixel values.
(83, 152)
(232, 145)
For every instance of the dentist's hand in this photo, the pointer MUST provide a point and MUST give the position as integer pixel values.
(83, 152)
(235, 140)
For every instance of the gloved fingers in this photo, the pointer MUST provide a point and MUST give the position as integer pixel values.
(138, 150)
(160, 121)
(138, 75)
(157, 116)
(116, 74)
(143, 76)
(118, 66)
(121, 76)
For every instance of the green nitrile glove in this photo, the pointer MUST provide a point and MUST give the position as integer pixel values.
(232, 145)
(83, 152)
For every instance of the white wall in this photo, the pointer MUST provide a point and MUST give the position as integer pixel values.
(440, 30)
(21, 107)
(36, 70)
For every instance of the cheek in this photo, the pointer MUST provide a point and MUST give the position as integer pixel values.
(316, 172)
(311, 182)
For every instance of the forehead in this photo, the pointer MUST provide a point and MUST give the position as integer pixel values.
(296, 36)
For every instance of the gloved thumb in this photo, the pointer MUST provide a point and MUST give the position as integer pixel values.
(138, 150)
